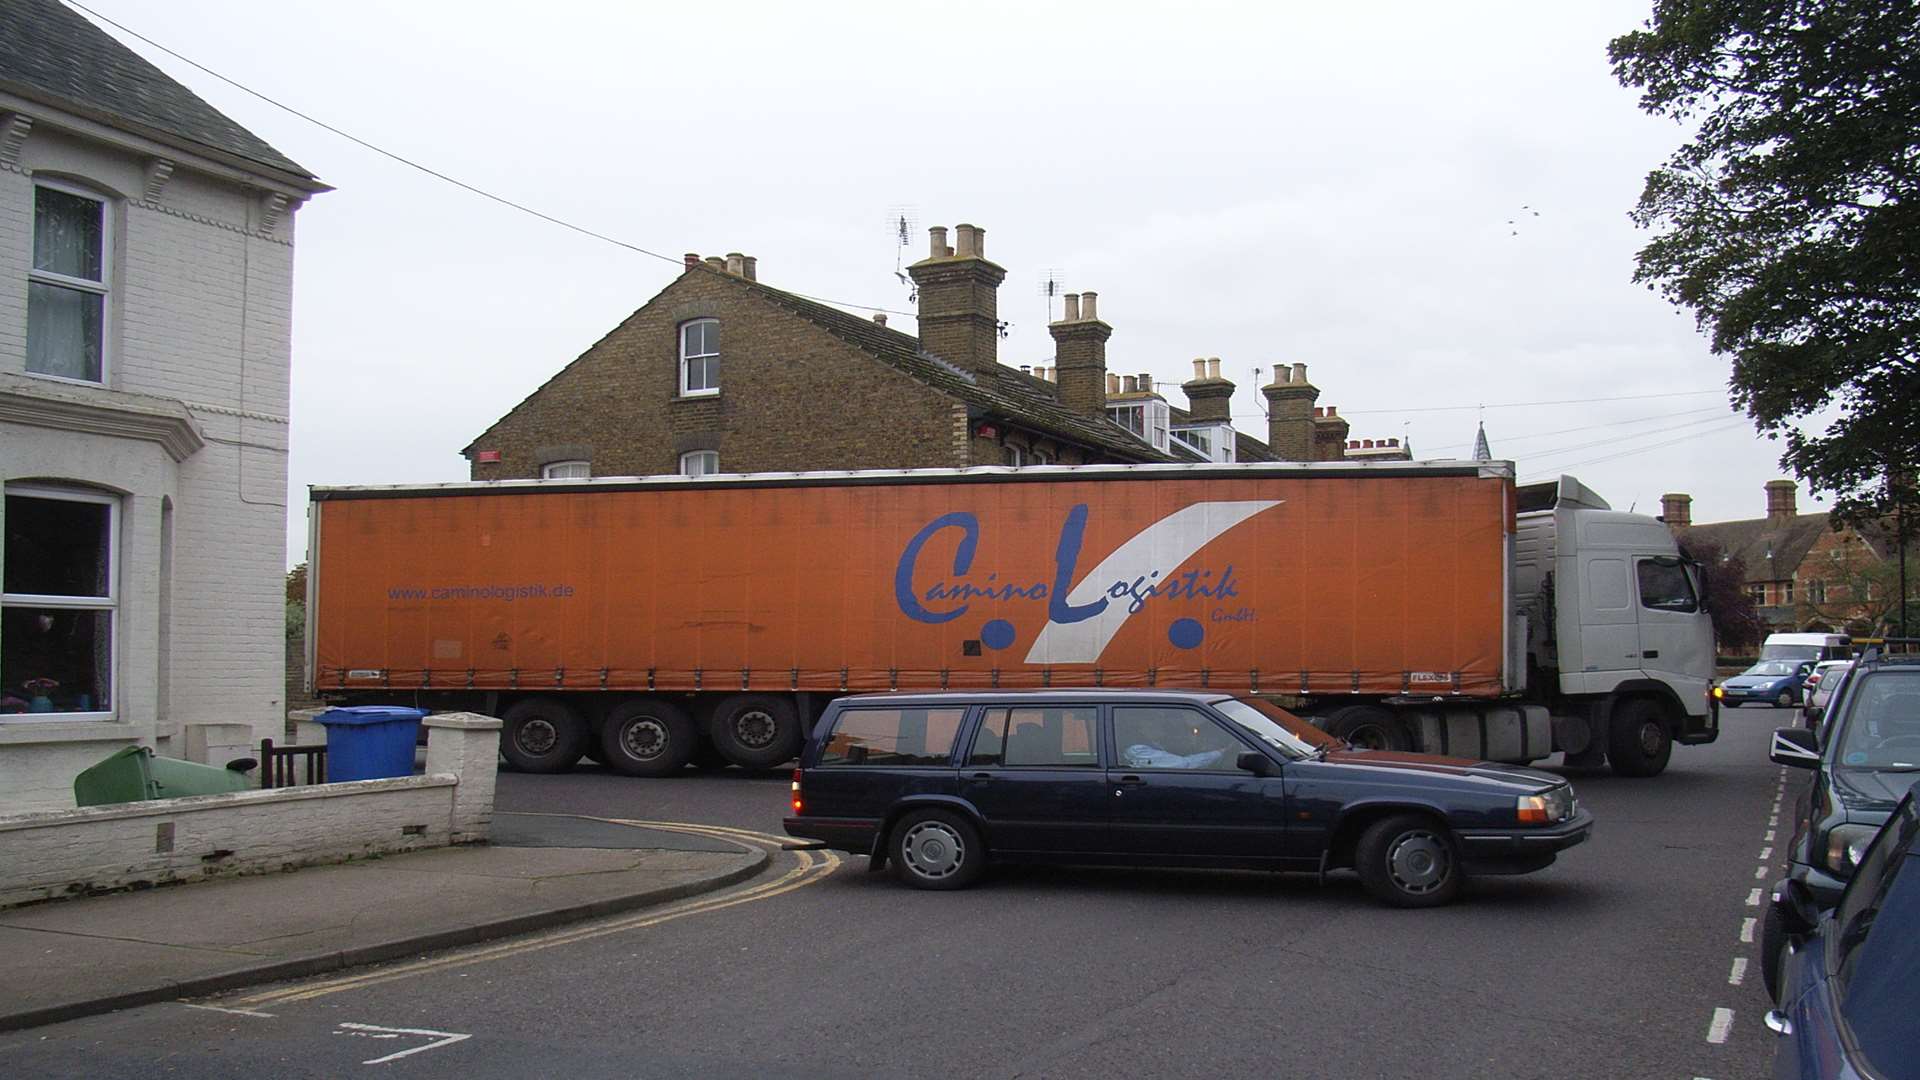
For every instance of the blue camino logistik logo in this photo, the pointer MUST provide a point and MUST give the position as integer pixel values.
(1082, 618)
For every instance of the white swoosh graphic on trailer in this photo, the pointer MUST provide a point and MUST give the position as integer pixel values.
(1163, 545)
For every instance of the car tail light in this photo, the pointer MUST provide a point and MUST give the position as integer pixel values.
(796, 791)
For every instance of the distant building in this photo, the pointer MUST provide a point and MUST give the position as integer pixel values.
(146, 261)
(1801, 572)
(721, 372)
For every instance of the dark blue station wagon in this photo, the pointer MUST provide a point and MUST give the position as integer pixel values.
(938, 785)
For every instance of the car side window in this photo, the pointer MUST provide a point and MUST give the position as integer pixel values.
(1171, 737)
(893, 737)
(1050, 737)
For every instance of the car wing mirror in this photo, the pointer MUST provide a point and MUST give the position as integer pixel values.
(1255, 762)
(1796, 747)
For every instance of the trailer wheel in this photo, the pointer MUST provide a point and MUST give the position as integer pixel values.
(647, 737)
(756, 731)
(542, 735)
(1639, 739)
(1369, 727)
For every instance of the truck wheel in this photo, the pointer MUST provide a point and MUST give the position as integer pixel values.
(647, 737)
(756, 731)
(1369, 727)
(1639, 741)
(1408, 860)
(933, 849)
(542, 735)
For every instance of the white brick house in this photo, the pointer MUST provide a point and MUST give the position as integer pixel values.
(146, 257)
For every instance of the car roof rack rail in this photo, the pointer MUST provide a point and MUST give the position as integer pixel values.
(1872, 649)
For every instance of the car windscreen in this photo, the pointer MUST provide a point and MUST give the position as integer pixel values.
(1791, 652)
(1773, 668)
(1276, 727)
(1881, 728)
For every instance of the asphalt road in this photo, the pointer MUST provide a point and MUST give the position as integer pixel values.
(1619, 961)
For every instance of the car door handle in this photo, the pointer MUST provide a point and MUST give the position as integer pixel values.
(980, 776)
(1651, 654)
(1130, 780)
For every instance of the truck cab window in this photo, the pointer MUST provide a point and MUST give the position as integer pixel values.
(1665, 586)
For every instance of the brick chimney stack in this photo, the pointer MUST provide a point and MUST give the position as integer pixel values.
(1290, 399)
(1209, 397)
(1080, 355)
(1677, 508)
(1780, 502)
(1330, 431)
(959, 298)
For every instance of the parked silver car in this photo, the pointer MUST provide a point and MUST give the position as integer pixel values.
(1820, 687)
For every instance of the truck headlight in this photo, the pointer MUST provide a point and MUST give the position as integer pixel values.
(1547, 808)
(1847, 845)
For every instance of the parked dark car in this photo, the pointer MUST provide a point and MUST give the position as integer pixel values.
(1864, 758)
(1769, 682)
(939, 785)
(1850, 1005)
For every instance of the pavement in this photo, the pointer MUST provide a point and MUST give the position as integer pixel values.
(73, 958)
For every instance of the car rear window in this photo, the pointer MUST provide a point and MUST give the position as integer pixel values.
(893, 737)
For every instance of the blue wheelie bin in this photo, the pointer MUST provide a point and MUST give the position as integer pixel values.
(370, 742)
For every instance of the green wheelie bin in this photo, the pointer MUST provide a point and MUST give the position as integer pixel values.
(134, 774)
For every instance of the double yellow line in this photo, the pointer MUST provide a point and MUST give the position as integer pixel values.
(811, 868)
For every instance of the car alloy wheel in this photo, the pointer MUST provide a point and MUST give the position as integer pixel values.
(1419, 862)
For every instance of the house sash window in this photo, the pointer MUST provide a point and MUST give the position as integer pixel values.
(59, 604)
(700, 463)
(700, 357)
(566, 470)
(68, 284)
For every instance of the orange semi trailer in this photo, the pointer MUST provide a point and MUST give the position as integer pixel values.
(652, 621)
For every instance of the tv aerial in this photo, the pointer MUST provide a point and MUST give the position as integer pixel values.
(902, 222)
(1050, 287)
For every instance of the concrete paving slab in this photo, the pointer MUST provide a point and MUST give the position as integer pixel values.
(77, 957)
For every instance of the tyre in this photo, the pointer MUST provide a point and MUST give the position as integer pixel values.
(1639, 740)
(1369, 727)
(1773, 949)
(647, 737)
(933, 849)
(542, 735)
(756, 731)
(1408, 860)
(1784, 701)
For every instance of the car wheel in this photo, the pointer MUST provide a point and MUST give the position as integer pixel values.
(1408, 860)
(756, 731)
(1773, 949)
(1639, 741)
(933, 849)
(1784, 701)
(542, 735)
(647, 737)
(1368, 727)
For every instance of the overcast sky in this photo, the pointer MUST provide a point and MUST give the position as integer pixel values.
(1339, 185)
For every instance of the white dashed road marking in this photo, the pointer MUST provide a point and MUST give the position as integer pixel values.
(1746, 930)
(1760, 872)
(1721, 1025)
(1753, 898)
(1766, 853)
(1739, 972)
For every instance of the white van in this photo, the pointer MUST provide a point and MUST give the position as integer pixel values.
(1807, 647)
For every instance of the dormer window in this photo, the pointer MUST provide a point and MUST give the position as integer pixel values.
(700, 358)
(1147, 419)
(67, 285)
(566, 470)
(1215, 442)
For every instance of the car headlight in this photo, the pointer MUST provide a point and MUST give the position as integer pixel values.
(1847, 845)
(1553, 805)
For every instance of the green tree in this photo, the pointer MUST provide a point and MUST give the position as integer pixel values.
(1790, 222)
(1736, 623)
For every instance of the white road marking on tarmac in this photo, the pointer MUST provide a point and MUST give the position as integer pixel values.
(1746, 930)
(1769, 834)
(1721, 1025)
(1766, 853)
(1753, 898)
(236, 1012)
(1774, 820)
(1760, 871)
(371, 1031)
(1739, 973)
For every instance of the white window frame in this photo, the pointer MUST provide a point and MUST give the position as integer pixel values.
(571, 469)
(1155, 420)
(102, 288)
(685, 389)
(1016, 456)
(710, 456)
(109, 603)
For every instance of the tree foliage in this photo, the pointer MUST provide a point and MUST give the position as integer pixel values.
(1790, 223)
(1736, 623)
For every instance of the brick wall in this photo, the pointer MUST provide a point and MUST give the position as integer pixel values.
(792, 397)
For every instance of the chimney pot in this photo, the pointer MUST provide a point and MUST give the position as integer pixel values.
(1087, 311)
(1366, 444)
(1318, 412)
(880, 318)
(736, 264)
(1299, 373)
(1199, 369)
(1353, 444)
(1213, 367)
(1129, 384)
(1026, 369)
(717, 263)
(750, 267)
(965, 241)
(691, 259)
(937, 241)
(1146, 382)
(980, 241)
(1331, 411)
(1393, 442)
(1113, 383)
(1072, 313)
(1282, 375)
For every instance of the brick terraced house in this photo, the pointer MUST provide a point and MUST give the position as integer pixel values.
(146, 260)
(721, 372)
